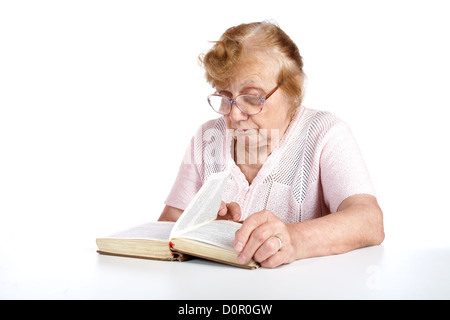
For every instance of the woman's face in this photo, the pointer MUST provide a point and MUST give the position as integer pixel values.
(258, 76)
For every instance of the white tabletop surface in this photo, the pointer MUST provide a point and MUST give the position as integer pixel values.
(380, 272)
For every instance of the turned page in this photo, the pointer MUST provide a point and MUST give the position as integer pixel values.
(204, 206)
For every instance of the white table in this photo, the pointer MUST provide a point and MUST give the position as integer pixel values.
(380, 272)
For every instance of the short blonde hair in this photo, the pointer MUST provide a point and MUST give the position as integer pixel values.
(245, 40)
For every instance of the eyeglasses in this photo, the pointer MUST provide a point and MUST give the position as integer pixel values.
(249, 104)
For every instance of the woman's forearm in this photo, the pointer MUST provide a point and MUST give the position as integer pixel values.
(170, 214)
(357, 223)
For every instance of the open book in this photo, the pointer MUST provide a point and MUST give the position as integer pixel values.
(196, 233)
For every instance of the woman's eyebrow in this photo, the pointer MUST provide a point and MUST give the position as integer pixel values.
(248, 88)
(243, 88)
(243, 91)
(251, 87)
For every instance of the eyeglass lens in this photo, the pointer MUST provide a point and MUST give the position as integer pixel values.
(249, 104)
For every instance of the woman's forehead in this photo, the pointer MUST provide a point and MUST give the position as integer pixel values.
(237, 85)
(255, 74)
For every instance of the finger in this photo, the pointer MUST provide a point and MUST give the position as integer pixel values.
(282, 256)
(256, 242)
(222, 209)
(249, 225)
(234, 210)
(270, 247)
(275, 260)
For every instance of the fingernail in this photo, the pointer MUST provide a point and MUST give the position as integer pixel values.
(239, 246)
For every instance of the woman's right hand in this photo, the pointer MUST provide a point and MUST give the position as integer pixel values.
(229, 211)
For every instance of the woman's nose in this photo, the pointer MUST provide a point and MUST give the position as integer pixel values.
(236, 114)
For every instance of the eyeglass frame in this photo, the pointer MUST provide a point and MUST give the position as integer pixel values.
(233, 101)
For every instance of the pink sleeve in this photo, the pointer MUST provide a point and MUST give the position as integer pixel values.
(343, 171)
(187, 183)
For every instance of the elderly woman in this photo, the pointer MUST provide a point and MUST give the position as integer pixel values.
(298, 180)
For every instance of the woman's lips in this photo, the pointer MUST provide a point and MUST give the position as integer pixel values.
(245, 132)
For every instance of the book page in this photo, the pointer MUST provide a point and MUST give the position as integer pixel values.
(204, 206)
(218, 232)
(150, 231)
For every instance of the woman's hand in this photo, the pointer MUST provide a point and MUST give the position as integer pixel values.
(263, 236)
(266, 239)
(229, 211)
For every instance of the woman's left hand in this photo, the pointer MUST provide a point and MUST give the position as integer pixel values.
(266, 239)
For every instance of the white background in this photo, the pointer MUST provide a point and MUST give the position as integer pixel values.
(99, 99)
